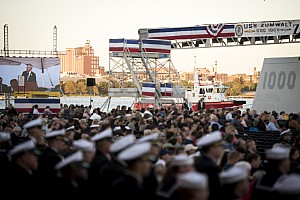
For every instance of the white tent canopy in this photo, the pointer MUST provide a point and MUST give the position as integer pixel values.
(41, 63)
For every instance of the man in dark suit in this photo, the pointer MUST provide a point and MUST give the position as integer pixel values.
(3, 87)
(201, 104)
(29, 75)
(185, 104)
(30, 79)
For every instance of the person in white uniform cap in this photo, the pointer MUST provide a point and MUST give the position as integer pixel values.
(33, 129)
(69, 135)
(52, 154)
(118, 131)
(177, 165)
(285, 137)
(128, 130)
(73, 174)
(192, 185)
(130, 185)
(69, 160)
(103, 141)
(22, 148)
(278, 165)
(105, 134)
(122, 143)
(56, 135)
(87, 148)
(20, 174)
(94, 129)
(235, 183)
(211, 146)
(116, 168)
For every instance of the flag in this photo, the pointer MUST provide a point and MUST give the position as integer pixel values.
(25, 104)
(148, 89)
(121, 45)
(166, 89)
(156, 46)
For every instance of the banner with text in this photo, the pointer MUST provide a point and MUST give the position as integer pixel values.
(271, 28)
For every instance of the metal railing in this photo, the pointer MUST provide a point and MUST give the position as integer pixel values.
(31, 53)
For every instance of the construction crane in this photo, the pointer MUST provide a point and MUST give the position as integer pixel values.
(55, 40)
(6, 50)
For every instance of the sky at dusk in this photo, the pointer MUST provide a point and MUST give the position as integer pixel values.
(31, 25)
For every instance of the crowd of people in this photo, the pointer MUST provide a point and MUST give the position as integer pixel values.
(166, 153)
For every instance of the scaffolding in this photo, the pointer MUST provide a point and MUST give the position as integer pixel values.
(128, 70)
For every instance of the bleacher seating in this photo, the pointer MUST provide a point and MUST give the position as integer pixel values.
(264, 139)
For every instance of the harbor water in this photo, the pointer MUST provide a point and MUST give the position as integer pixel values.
(96, 101)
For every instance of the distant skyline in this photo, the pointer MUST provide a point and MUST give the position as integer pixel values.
(31, 25)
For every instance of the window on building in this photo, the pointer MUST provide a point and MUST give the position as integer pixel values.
(202, 91)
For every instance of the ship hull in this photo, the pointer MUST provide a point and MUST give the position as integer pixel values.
(222, 104)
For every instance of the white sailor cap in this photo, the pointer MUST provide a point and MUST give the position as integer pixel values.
(245, 165)
(4, 136)
(107, 133)
(233, 175)
(73, 158)
(84, 145)
(181, 160)
(128, 115)
(95, 126)
(23, 147)
(192, 180)
(209, 139)
(118, 117)
(289, 185)
(149, 138)
(128, 128)
(71, 128)
(135, 151)
(278, 153)
(57, 134)
(122, 143)
(33, 123)
(117, 128)
(287, 131)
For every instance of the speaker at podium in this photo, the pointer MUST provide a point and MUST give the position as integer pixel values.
(90, 82)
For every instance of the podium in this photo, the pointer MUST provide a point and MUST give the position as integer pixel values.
(29, 86)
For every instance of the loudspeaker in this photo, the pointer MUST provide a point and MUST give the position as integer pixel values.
(90, 81)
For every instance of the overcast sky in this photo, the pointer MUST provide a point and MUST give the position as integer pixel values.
(31, 25)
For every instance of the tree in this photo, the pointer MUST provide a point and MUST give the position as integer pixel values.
(81, 86)
(70, 87)
(239, 85)
(235, 87)
(103, 87)
(95, 90)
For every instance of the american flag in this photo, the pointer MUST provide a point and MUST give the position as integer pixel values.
(166, 89)
(148, 89)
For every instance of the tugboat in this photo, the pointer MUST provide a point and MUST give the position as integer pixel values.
(213, 95)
